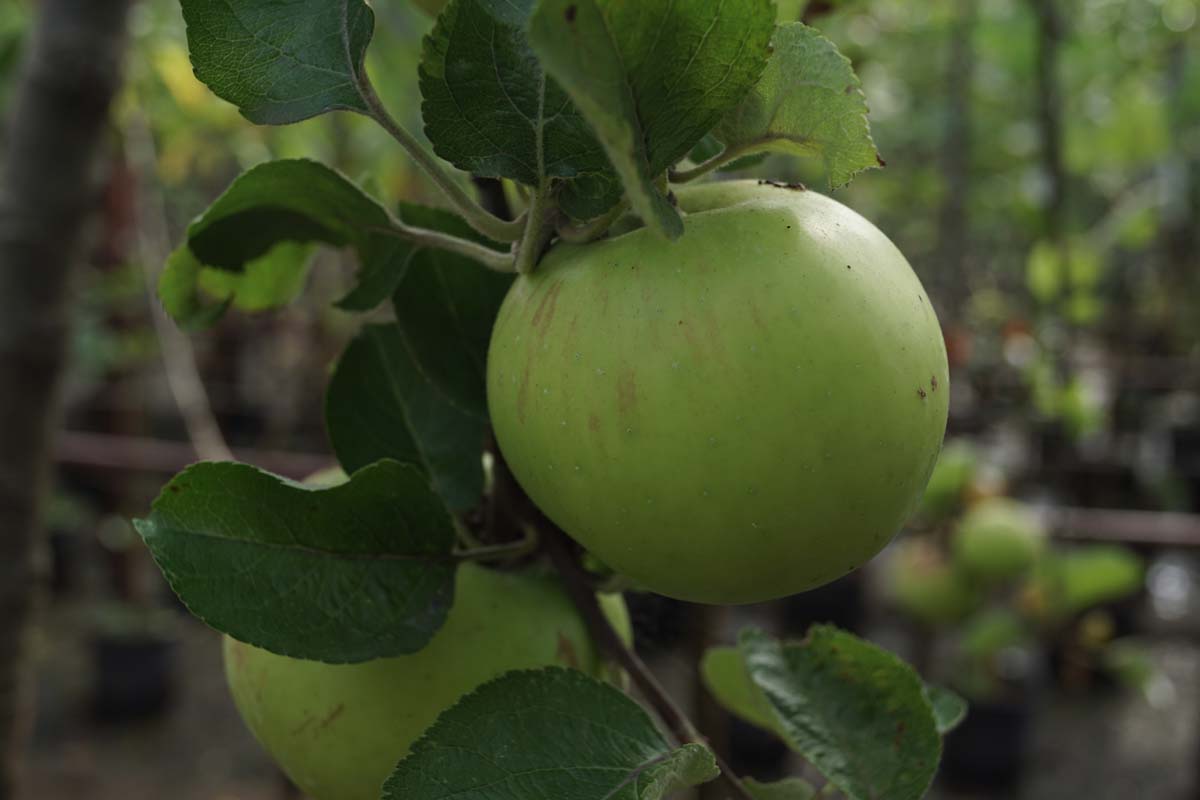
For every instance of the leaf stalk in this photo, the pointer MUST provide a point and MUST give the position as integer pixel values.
(579, 587)
(476, 215)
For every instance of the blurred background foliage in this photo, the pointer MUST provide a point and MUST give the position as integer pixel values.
(1043, 178)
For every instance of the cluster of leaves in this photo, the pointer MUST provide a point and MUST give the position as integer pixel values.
(592, 107)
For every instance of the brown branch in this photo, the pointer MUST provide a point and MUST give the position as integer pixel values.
(143, 454)
(67, 81)
(565, 557)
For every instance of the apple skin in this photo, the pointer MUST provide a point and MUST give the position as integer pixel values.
(998, 539)
(338, 730)
(745, 413)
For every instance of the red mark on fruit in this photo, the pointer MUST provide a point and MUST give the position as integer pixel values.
(627, 391)
(566, 652)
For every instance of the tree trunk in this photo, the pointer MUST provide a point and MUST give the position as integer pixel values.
(1049, 35)
(64, 90)
(953, 219)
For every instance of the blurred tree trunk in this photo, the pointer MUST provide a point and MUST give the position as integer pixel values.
(70, 74)
(1182, 173)
(1049, 101)
(953, 218)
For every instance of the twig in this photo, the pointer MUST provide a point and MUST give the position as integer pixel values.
(179, 359)
(579, 588)
(476, 215)
(537, 231)
(726, 156)
(593, 229)
(501, 552)
(492, 259)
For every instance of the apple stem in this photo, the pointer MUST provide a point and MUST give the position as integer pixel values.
(565, 557)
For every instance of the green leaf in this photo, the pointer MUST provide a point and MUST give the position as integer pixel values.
(552, 733)
(281, 61)
(179, 292)
(380, 405)
(294, 200)
(344, 574)
(808, 102)
(855, 711)
(270, 281)
(388, 260)
(949, 710)
(1044, 271)
(445, 307)
(253, 233)
(1086, 577)
(490, 110)
(652, 78)
(786, 789)
(723, 670)
(790, 10)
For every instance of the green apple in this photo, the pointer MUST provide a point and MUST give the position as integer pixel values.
(998, 539)
(927, 587)
(338, 729)
(950, 480)
(745, 413)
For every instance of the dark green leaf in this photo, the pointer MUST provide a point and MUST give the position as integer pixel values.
(445, 307)
(855, 711)
(949, 710)
(380, 405)
(652, 78)
(388, 259)
(490, 110)
(808, 102)
(281, 61)
(381, 272)
(345, 574)
(291, 200)
(254, 232)
(552, 733)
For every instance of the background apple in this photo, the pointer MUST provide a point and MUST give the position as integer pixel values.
(338, 729)
(998, 539)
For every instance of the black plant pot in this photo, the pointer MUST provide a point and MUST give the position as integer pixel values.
(134, 676)
(65, 561)
(987, 752)
(754, 752)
